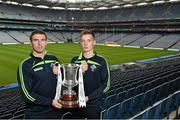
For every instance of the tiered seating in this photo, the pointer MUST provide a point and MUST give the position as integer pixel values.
(11, 36)
(11, 104)
(166, 41)
(171, 41)
(5, 38)
(129, 38)
(19, 36)
(158, 13)
(51, 37)
(146, 40)
(30, 13)
(131, 93)
(138, 12)
(150, 12)
(161, 109)
(140, 89)
(101, 37)
(177, 45)
(76, 36)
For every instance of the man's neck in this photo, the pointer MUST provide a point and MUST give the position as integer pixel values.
(88, 54)
(39, 55)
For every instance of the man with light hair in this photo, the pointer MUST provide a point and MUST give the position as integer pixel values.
(96, 75)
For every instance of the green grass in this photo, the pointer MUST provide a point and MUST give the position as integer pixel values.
(12, 55)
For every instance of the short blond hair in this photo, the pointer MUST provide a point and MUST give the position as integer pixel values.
(86, 31)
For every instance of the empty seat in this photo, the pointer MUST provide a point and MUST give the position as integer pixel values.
(139, 89)
(165, 107)
(148, 98)
(154, 112)
(124, 111)
(165, 90)
(112, 111)
(103, 114)
(121, 96)
(137, 104)
(19, 112)
(127, 87)
(21, 116)
(147, 86)
(157, 93)
(109, 101)
(110, 92)
(6, 116)
(10, 111)
(131, 92)
(177, 102)
(118, 90)
(172, 86)
(142, 115)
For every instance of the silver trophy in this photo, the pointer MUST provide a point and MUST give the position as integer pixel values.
(69, 77)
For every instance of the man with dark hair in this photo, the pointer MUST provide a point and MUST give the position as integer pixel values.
(96, 74)
(37, 82)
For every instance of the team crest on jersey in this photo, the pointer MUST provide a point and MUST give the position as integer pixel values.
(93, 67)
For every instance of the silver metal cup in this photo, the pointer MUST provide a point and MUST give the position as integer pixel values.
(69, 97)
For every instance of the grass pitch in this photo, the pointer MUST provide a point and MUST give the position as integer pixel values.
(12, 55)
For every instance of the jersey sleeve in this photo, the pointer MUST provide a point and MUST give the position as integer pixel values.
(24, 77)
(105, 79)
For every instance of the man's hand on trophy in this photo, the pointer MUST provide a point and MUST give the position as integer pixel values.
(84, 66)
(55, 68)
(56, 104)
(87, 98)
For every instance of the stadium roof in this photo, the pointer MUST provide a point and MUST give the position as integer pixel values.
(85, 4)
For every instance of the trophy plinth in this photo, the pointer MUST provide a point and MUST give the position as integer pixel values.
(68, 101)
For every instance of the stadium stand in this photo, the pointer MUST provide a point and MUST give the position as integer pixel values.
(18, 36)
(161, 108)
(158, 83)
(11, 105)
(5, 38)
(12, 37)
(152, 28)
(129, 39)
(166, 41)
(146, 40)
(162, 11)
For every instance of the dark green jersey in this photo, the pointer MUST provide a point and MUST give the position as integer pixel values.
(97, 77)
(37, 82)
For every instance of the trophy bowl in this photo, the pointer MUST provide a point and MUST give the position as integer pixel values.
(69, 97)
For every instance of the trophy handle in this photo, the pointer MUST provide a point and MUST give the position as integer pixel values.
(64, 73)
(77, 70)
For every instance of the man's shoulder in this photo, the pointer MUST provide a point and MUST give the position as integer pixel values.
(26, 60)
(75, 58)
(51, 56)
(102, 60)
(100, 57)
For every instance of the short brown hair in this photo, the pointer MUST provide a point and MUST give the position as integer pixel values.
(86, 31)
(37, 32)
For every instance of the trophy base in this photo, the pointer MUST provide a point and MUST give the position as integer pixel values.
(69, 101)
